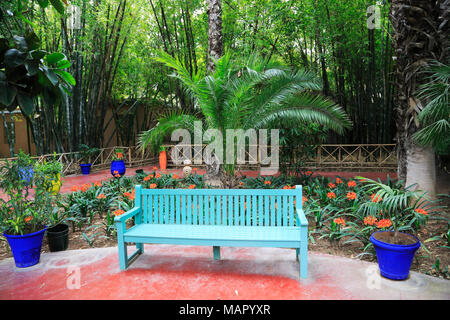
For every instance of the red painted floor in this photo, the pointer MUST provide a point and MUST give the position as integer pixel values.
(167, 272)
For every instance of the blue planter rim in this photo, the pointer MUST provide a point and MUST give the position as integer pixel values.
(26, 235)
(395, 246)
(85, 164)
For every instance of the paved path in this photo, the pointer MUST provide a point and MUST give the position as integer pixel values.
(168, 272)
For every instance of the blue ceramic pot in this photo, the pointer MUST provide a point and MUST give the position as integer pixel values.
(85, 168)
(394, 260)
(26, 248)
(119, 166)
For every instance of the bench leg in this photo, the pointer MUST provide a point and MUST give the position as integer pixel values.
(216, 251)
(123, 259)
(303, 259)
(140, 247)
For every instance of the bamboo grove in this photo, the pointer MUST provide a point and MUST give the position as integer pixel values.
(111, 50)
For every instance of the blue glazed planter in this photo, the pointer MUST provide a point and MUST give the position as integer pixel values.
(394, 260)
(26, 248)
(119, 166)
(85, 168)
(26, 174)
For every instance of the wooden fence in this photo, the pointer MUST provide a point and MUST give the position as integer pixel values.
(133, 157)
(328, 157)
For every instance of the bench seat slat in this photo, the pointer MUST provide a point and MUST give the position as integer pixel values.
(264, 233)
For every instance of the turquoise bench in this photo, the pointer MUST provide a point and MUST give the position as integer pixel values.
(217, 218)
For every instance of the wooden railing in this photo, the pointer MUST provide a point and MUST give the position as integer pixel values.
(71, 160)
(328, 157)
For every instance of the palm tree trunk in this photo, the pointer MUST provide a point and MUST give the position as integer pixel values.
(416, 41)
(215, 38)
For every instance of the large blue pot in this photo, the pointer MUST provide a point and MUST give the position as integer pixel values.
(85, 168)
(119, 166)
(26, 248)
(394, 260)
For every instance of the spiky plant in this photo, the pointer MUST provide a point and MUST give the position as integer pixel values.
(246, 97)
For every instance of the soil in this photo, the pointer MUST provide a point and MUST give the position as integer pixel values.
(390, 237)
(425, 260)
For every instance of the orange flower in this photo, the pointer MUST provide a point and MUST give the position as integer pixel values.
(147, 178)
(153, 186)
(370, 220)
(338, 180)
(241, 183)
(308, 173)
(117, 175)
(331, 195)
(195, 169)
(119, 212)
(85, 187)
(75, 189)
(98, 184)
(155, 168)
(351, 196)
(304, 199)
(339, 221)
(115, 172)
(351, 183)
(293, 187)
(119, 155)
(421, 211)
(192, 186)
(375, 198)
(28, 219)
(286, 187)
(268, 182)
(384, 223)
(157, 175)
(101, 196)
(331, 185)
(175, 176)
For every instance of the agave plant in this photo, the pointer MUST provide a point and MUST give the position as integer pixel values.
(249, 96)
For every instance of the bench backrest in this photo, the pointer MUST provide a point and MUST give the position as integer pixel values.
(237, 207)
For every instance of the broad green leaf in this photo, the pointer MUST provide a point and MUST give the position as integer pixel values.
(67, 77)
(7, 93)
(51, 75)
(26, 103)
(63, 64)
(14, 58)
(54, 57)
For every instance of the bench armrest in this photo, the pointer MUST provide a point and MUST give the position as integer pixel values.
(301, 218)
(127, 215)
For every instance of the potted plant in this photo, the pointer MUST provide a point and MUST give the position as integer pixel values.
(25, 168)
(395, 209)
(162, 158)
(117, 164)
(85, 161)
(51, 175)
(23, 219)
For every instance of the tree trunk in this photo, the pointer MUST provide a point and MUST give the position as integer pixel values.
(416, 40)
(215, 37)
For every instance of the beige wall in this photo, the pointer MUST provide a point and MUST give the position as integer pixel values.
(21, 136)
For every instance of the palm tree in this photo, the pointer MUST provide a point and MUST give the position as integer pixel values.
(420, 35)
(435, 116)
(215, 37)
(245, 98)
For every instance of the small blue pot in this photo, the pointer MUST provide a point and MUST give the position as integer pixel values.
(26, 174)
(394, 260)
(85, 168)
(26, 248)
(119, 166)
